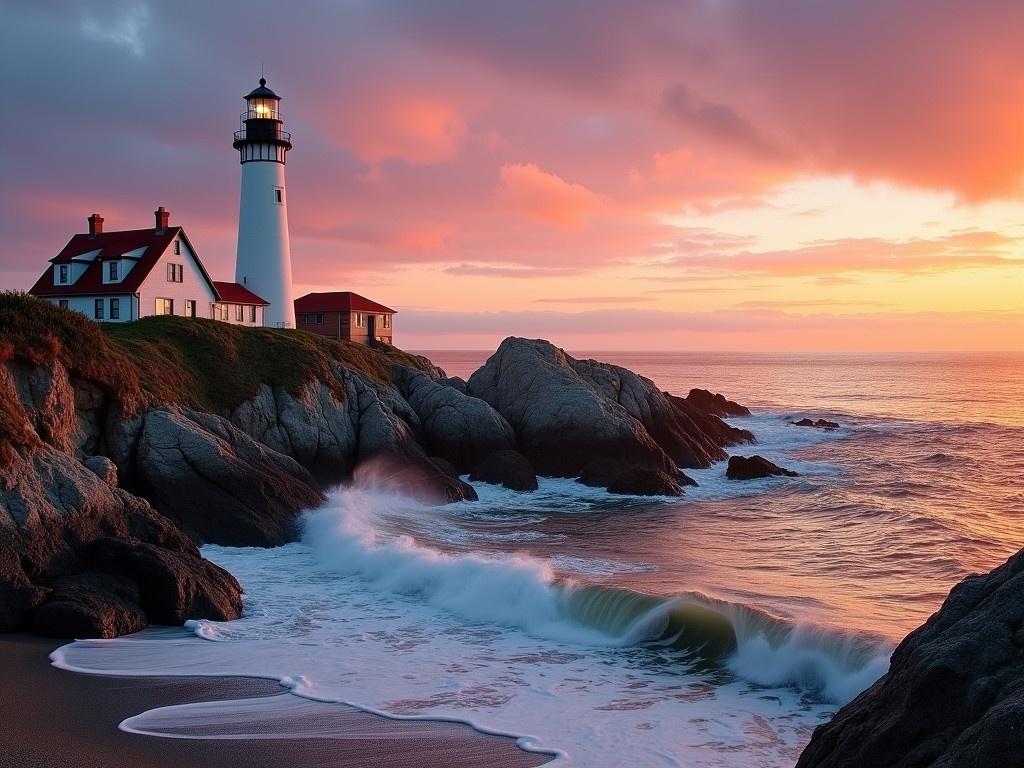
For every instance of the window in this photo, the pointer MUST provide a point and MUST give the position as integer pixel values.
(252, 313)
(279, 195)
(319, 319)
(190, 307)
(165, 306)
(175, 273)
(97, 309)
(115, 309)
(238, 313)
(359, 319)
(112, 271)
(177, 247)
(386, 320)
(62, 303)
(220, 311)
(62, 273)
(305, 319)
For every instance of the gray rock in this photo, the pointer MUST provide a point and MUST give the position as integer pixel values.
(217, 483)
(567, 413)
(103, 468)
(954, 692)
(462, 429)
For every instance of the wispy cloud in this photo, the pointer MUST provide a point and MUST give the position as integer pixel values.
(124, 29)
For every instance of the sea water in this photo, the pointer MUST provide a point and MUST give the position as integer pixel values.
(713, 630)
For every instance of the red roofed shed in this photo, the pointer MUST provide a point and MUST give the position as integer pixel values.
(346, 316)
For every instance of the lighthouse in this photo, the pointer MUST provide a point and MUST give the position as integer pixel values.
(263, 262)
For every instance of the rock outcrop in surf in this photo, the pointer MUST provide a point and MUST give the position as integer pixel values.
(754, 467)
(569, 414)
(954, 692)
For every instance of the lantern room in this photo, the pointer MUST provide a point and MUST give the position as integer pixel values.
(263, 103)
(261, 136)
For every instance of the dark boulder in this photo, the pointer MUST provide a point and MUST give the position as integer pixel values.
(818, 424)
(90, 605)
(172, 586)
(954, 692)
(753, 467)
(633, 480)
(508, 468)
(715, 404)
(642, 481)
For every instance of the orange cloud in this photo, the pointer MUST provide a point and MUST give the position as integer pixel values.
(528, 190)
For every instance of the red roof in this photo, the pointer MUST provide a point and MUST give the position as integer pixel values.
(338, 301)
(111, 245)
(235, 293)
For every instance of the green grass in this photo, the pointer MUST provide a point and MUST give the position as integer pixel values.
(205, 364)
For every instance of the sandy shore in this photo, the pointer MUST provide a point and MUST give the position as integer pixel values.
(50, 718)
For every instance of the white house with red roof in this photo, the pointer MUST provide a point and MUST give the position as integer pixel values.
(123, 276)
(346, 316)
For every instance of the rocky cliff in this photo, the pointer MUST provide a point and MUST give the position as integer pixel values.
(123, 447)
(954, 692)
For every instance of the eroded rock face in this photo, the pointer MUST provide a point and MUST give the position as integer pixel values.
(460, 428)
(715, 404)
(51, 510)
(217, 483)
(569, 413)
(754, 467)
(954, 692)
(508, 468)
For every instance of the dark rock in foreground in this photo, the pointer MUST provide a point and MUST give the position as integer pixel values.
(954, 692)
(508, 468)
(819, 424)
(640, 481)
(715, 404)
(568, 414)
(754, 467)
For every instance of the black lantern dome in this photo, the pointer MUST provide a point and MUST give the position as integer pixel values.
(261, 136)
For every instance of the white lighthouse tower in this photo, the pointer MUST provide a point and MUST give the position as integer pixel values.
(263, 263)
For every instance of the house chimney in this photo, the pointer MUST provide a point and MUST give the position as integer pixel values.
(95, 226)
(162, 217)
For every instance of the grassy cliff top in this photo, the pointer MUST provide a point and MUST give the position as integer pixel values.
(206, 364)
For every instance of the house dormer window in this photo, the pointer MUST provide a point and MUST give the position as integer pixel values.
(62, 273)
(112, 271)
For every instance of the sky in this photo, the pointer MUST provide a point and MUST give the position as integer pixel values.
(793, 175)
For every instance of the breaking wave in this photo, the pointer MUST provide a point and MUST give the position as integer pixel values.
(349, 536)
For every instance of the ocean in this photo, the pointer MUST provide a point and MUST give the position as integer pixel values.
(717, 629)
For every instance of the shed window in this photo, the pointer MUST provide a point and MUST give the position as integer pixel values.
(238, 313)
(319, 319)
(359, 319)
(252, 313)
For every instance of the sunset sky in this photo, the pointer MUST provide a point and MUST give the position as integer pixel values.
(785, 175)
